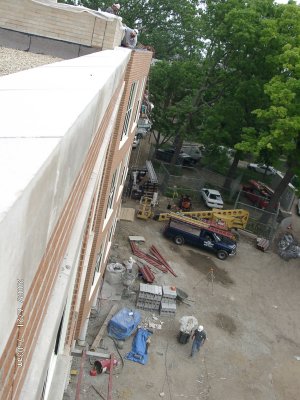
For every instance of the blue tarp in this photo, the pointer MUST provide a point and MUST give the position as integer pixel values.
(138, 351)
(123, 323)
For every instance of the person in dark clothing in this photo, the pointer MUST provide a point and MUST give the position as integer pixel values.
(199, 337)
(114, 9)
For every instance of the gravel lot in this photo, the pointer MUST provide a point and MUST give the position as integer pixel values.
(250, 311)
(12, 60)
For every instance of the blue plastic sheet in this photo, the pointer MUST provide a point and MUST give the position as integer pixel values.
(123, 323)
(138, 351)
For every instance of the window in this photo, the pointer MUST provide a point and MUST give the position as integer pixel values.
(111, 193)
(137, 111)
(125, 169)
(112, 231)
(98, 265)
(129, 109)
(191, 229)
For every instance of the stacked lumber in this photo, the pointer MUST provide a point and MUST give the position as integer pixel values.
(62, 22)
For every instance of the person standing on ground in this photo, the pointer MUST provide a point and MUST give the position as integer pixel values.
(114, 9)
(199, 337)
(130, 38)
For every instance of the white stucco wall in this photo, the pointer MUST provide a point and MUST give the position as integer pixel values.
(49, 116)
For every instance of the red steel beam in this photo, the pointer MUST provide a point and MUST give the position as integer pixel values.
(157, 254)
(147, 273)
(150, 259)
(77, 396)
(109, 391)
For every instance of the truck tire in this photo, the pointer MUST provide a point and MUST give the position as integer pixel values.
(222, 254)
(179, 240)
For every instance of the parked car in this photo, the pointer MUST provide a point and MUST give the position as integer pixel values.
(212, 198)
(142, 132)
(262, 169)
(188, 232)
(167, 154)
(193, 151)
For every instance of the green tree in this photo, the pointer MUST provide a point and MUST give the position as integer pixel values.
(234, 29)
(172, 86)
(172, 27)
(280, 132)
(283, 118)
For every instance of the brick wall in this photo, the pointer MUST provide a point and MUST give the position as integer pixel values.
(137, 70)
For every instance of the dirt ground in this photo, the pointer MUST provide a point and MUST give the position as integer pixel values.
(249, 309)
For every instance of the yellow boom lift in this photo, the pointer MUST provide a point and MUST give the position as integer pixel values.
(228, 219)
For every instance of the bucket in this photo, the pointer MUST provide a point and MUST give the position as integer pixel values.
(183, 337)
(102, 366)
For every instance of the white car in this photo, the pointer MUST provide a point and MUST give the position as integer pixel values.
(212, 198)
(262, 168)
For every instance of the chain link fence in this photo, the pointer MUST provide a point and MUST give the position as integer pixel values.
(262, 223)
(178, 180)
(175, 181)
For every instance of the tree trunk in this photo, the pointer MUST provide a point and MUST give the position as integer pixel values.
(231, 171)
(178, 142)
(274, 201)
(280, 189)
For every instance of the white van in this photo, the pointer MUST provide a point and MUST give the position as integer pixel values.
(193, 150)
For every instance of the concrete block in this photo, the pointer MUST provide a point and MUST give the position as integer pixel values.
(14, 40)
(169, 292)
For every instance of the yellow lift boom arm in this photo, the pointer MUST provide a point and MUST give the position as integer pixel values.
(232, 219)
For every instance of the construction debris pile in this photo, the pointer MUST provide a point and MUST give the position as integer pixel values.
(288, 247)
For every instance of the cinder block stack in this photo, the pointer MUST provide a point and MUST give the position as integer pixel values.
(168, 301)
(149, 297)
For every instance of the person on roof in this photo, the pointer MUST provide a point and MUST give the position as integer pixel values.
(114, 9)
(199, 337)
(130, 38)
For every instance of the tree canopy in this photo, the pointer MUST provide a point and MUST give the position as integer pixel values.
(230, 74)
(280, 133)
(172, 27)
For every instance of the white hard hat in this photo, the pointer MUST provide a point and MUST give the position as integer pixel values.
(117, 5)
(200, 328)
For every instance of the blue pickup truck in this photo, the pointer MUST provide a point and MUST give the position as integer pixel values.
(184, 230)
